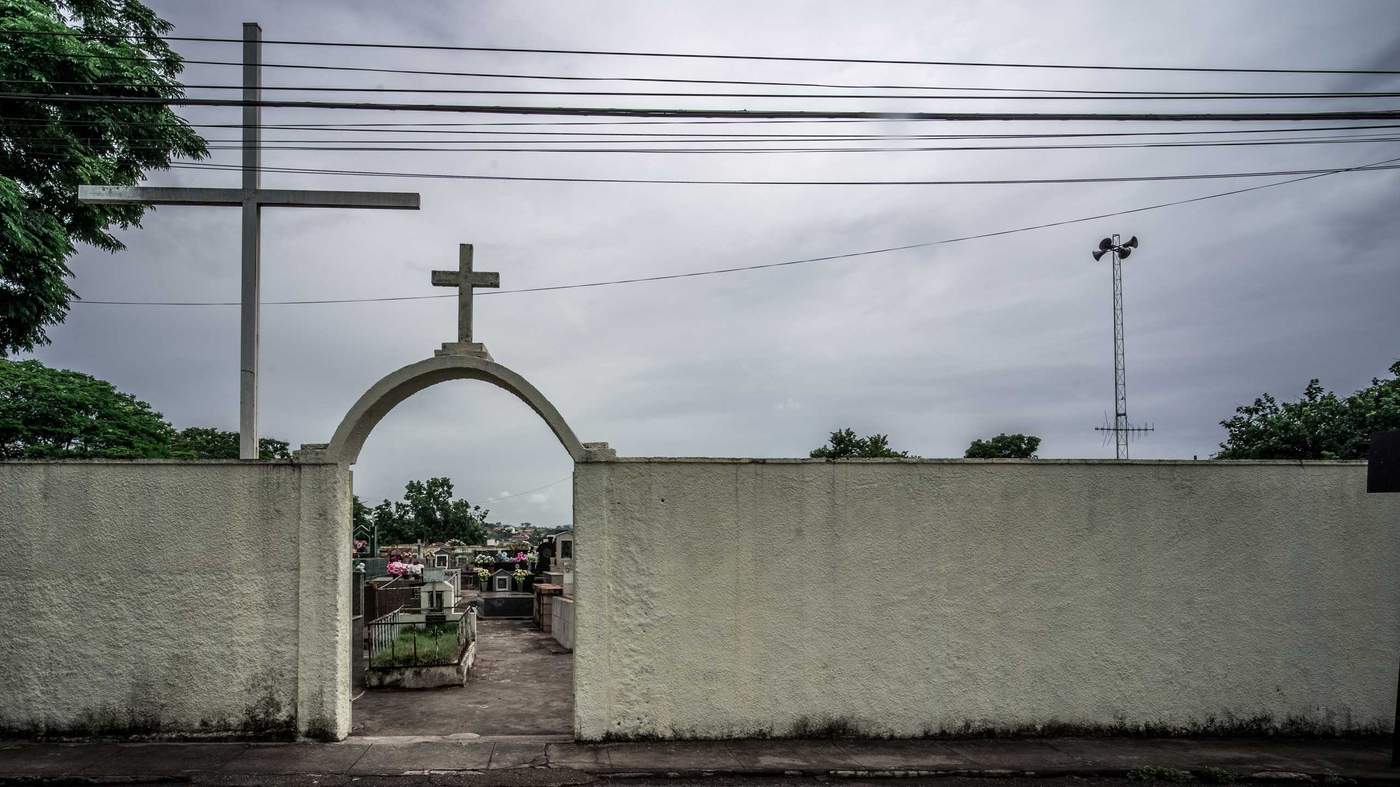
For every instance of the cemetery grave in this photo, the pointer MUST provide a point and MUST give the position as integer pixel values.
(433, 667)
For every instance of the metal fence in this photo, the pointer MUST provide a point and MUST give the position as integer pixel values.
(396, 642)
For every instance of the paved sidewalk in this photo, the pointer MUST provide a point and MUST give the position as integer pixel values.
(544, 760)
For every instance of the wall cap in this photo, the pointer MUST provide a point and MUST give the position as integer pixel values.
(959, 461)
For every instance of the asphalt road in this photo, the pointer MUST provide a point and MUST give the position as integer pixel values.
(538, 778)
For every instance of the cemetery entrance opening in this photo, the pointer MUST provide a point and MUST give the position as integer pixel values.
(450, 637)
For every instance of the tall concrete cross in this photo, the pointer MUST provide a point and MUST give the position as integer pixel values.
(251, 198)
(465, 280)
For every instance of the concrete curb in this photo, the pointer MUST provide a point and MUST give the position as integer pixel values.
(522, 760)
(549, 775)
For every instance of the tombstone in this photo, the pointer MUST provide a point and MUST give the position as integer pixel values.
(501, 599)
(546, 553)
(562, 572)
(502, 581)
(564, 552)
(437, 595)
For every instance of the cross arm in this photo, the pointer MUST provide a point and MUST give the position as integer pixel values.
(158, 195)
(296, 198)
(288, 198)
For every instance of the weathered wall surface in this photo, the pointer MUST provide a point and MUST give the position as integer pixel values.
(721, 598)
(174, 596)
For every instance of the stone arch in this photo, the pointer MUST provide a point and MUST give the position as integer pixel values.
(383, 396)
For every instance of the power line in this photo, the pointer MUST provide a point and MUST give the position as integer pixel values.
(788, 263)
(679, 80)
(1012, 95)
(720, 182)
(482, 146)
(658, 80)
(713, 56)
(473, 129)
(427, 127)
(495, 500)
(768, 114)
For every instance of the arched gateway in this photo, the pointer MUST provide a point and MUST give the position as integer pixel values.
(326, 677)
(459, 360)
(344, 447)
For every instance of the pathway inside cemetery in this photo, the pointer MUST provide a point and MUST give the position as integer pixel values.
(522, 684)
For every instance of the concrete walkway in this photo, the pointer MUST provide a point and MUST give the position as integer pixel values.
(546, 760)
(522, 684)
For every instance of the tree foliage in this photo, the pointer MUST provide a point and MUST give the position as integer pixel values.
(846, 444)
(199, 442)
(428, 512)
(48, 148)
(361, 515)
(1004, 446)
(56, 413)
(1321, 425)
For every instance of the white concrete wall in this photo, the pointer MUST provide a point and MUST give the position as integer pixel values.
(174, 596)
(721, 598)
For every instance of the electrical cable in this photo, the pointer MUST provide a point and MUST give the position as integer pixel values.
(399, 128)
(787, 263)
(481, 146)
(1141, 96)
(712, 56)
(768, 114)
(666, 80)
(731, 182)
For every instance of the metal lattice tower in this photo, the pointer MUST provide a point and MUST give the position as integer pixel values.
(1121, 428)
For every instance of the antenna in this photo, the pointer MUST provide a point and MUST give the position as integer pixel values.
(1121, 428)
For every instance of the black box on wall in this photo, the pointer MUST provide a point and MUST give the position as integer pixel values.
(1383, 463)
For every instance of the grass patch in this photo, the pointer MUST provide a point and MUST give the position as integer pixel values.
(414, 647)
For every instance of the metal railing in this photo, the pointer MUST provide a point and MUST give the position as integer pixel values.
(398, 642)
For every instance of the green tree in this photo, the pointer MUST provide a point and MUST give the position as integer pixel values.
(199, 442)
(1321, 425)
(846, 444)
(1004, 446)
(48, 147)
(428, 512)
(361, 516)
(56, 413)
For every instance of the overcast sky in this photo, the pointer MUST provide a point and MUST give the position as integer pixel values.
(1225, 299)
